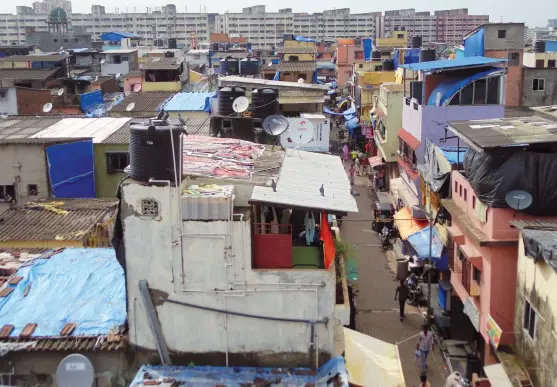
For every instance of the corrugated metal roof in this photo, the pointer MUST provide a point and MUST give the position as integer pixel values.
(448, 64)
(149, 101)
(535, 224)
(108, 343)
(27, 73)
(34, 58)
(198, 126)
(23, 127)
(300, 179)
(237, 81)
(233, 55)
(297, 50)
(160, 63)
(305, 65)
(96, 128)
(47, 220)
(188, 102)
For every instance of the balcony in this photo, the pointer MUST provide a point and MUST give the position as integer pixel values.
(474, 289)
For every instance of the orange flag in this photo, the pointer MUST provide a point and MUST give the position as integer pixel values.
(329, 249)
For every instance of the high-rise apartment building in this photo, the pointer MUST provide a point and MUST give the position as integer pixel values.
(46, 6)
(453, 24)
(416, 23)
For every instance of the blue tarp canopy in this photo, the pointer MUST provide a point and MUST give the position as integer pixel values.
(449, 64)
(453, 154)
(474, 43)
(449, 88)
(299, 38)
(550, 46)
(82, 286)
(200, 102)
(204, 376)
(420, 242)
(117, 36)
(90, 101)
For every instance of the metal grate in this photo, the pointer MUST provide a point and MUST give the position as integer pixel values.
(150, 208)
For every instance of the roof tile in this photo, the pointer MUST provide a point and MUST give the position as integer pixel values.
(14, 280)
(161, 63)
(149, 101)
(296, 50)
(6, 291)
(28, 330)
(51, 344)
(24, 74)
(68, 329)
(306, 65)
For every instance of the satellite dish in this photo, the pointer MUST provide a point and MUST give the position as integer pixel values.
(60, 92)
(301, 80)
(75, 371)
(270, 64)
(3, 115)
(519, 200)
(118, 75)
(210, 71)
(301, 131)
(61, 48)
(275, 124)
(103, 61)
(47, 107)
(130, 106)
(137, 87)
(240, 104)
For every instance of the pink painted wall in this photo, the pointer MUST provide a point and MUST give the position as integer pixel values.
(344, 74)
(346, 57)
(129, 81)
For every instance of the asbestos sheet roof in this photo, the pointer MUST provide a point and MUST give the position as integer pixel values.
(304, 66)
(451, 64)
(54, 219)
(66, 293)
(233, 55)
(188, 102)
(259, 82)
(25, 74)
(198, 126)
(540, 239)
(98, 129)
(297, 50)
(503, 132)
(33, 58)
(149, 101)
(300, 179)
(160, 63)
(14, 128)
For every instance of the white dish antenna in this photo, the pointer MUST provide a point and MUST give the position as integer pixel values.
(301, 80)
(130, 106)
(275, 124)
(47, 107)
(75, 371)
(270, 64)
(519, 200)
(210, 71)
(240, 104)
(137, 87)
(117, 76)
(103, 61)
(301, 131)
(60, 92)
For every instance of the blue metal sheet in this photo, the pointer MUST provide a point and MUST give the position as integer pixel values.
(447, 64)
(367, 44)
(200, 102)
(454, 154)
(420, 242)
(117, 36)
(474, 43)
(449, 88)
(550, 46)
(90, 101)
(82, 286)
(71, 169)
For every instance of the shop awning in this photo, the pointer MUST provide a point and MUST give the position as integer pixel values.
(406, 224)
(400, 190)
(376, 161)
(371, 362)
(497, 376)
(409, 139)
(420, 242)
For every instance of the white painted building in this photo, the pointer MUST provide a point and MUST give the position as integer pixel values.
(203, 274)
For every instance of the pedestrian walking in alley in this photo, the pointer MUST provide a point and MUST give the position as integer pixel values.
(345, 152)
(351, 173)
(425, 345)
(423, 380)
(358, 166)
(402, 294)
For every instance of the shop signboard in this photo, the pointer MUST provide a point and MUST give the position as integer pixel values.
(494, 332)
(472, 312)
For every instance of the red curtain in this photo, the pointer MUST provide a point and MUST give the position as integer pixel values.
(329, 249)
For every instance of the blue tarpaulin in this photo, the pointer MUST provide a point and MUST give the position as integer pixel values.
(82, 286)
(277, 76)
(450, 64)
(200, 102)
(299, 38)
(474, 43)
(71, 169)
(90, 101)
(449, 88)
(117, 36)
(420, 242)
(367, 46)
(205, 376)
(550, 46)
(453, 154)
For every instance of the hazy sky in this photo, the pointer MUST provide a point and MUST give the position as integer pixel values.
(532, 12)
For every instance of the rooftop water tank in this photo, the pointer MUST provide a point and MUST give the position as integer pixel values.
(264, 102)
(226, 96)
(249, 66)
(229, 66)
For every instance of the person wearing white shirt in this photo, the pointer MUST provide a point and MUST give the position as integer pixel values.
(425, 345)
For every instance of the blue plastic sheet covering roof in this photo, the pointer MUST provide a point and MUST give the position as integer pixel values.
(551, 46)
(411, 55)
(91, 101)
(204, 376)
(474, 43)
(449, 88)
(448, 64)
(82, 286)
(367, 46)
(116, 36)
(299, 38)
(420, 242)
(453, 154)
(325, 65)
(199, 102)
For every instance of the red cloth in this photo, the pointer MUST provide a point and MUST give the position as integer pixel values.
(368, 147)
(329, 250)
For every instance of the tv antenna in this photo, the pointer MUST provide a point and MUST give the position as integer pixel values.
(60, 92)
(518, 199)
(210, 71)
(240, 104)
(47, 107)
(130, 106)
(75, 371)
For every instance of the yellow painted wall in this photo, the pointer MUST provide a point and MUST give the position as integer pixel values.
(530, 58)
(14, 65)
(394, 41)
(294, 43)
(162, 86)
(39, 244)
(301, 57)
(195, 76)
(375, 78)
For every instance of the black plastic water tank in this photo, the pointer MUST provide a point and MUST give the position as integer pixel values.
(151, 151)
(172, 43)
(427, 55)
(388, 65)
(416, 42)
(214, 46)
(264, 102)
(229, 66)
(539, 46)
(376, 55)
(249, 66)
(227, 95)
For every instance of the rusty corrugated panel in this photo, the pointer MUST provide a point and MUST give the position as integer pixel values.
(54, 344)
(14, 280)
(28, 330)
(68, 329)
(6, 330)
(6, 291)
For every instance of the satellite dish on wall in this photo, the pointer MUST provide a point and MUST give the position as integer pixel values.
(60, 92)
(118, 75)
(275, 124)
(47, 107)
(210, 71)
(103, 61)
(75, 371)
(240, 104)
(137, 87)
(301, 80)
(301, 131)
(519, 200)
(130, 106)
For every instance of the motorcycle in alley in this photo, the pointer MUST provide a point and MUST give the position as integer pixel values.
(415, 292)
(385, 238)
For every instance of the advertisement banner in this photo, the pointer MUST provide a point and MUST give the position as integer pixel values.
(494, 332)
(472, 312)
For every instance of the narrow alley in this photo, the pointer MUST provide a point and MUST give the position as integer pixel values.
(377, 311)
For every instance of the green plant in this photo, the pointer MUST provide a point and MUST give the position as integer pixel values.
(345, 249)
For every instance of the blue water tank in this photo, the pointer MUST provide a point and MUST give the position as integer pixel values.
(249, 66)
(229, 66)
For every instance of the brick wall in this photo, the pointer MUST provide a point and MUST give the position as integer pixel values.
(31, 101)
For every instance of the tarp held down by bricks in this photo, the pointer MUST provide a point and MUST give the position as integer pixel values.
(241, 376)
(541, 244)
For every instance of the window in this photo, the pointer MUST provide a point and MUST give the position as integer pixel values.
(55, 40)
(540, 63)
(529, 319)
(3, 93)
(32, 190)
(7, 193)
(551, 63)
(65, 40)
(473, 202)
(196, 56)
(538, 84)
(117, 161)
(514, 59)
(460, 191)
(465, 194)
(456, 186)
(493, 90)
(117, 59)
(501, 34)
(149, 207)
(477, 275)
(480, 89)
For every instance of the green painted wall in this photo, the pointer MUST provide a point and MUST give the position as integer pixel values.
(107, 183)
